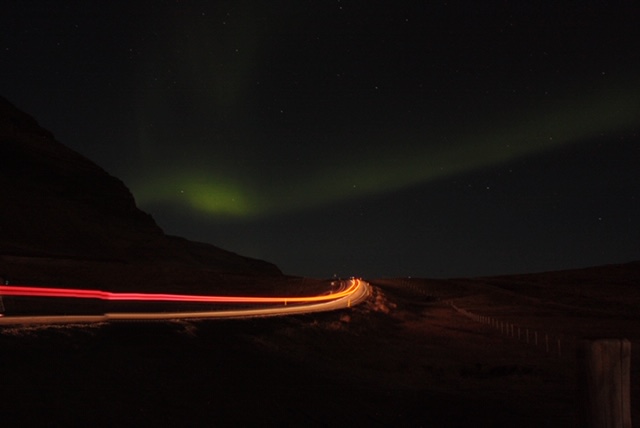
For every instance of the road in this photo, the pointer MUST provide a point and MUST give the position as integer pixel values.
(351, 293)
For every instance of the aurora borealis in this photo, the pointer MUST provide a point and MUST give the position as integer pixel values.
(397, 139)
(384, 168)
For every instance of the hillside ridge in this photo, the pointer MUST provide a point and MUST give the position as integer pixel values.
(56, 203)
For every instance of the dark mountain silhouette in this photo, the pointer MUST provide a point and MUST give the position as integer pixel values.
(55, 203)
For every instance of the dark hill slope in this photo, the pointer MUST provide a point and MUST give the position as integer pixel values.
(55, 203)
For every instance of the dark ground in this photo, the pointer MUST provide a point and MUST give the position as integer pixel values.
(403, 358)
(231, 373)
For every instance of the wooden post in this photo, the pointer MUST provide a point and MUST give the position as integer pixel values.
(603, 383)
(559, 347)
(546, 342)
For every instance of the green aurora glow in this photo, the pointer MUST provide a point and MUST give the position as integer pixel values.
(204, 84)
(256, 191)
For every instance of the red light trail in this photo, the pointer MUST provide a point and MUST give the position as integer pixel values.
(356, 291)
(29, 291)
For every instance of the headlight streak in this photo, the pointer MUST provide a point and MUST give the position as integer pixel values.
(356, 292)
(30, 291)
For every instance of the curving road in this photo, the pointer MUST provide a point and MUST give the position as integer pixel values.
(352, 292)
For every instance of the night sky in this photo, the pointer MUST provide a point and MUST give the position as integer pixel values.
(370, 138)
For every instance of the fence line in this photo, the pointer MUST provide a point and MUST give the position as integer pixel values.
(604, 368)
(552, 344)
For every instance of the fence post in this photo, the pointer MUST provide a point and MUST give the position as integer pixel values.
(546, 342)
(559, 347)
(603, 383)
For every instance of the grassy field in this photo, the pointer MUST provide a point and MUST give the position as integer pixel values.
(405, 357)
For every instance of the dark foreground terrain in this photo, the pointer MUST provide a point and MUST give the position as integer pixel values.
(404, 358)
